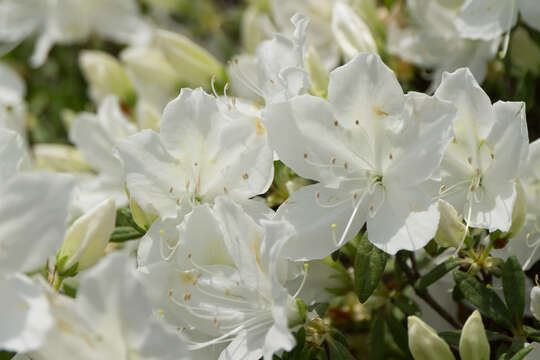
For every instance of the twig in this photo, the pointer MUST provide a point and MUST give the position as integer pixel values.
(412, 276)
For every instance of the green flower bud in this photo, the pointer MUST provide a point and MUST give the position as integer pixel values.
(106, 76)
(473, 343)
(196, 64)
(425, 343)
(87, 237)
(519, 212)
(60, 158)
(351, 32)
(141, 217)
(451, 229)
(524, 52)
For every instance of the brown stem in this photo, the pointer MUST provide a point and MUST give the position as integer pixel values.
(412, 276)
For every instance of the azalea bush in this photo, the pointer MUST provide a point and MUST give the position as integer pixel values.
(269, 179)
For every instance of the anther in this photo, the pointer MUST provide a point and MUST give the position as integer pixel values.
(317, 194)
(390, 156)
(492, 155)
(442, 188)
(371, 207)
(229, 62)
(233, 100)
(177, 201)
(336, 123)
(170, 292)
(236, 61)
(345, 165)
(355, 195)
(225, 190)
(469, 160)
(357, 122)
(245, 176)
(187, 296)
(161, 232)
(472, 188)
(171, 189)
(189, 256)
(196, 163)
(271, 81)
(333, 226)
(305, 155)
(333, 161)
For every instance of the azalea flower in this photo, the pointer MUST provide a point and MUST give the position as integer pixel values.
(205, 148)
(370, 147)
(95, 136)
(434, 42)
(485, 155)
(100, 322)
(218, 277)
(488, 19)
(70, 21)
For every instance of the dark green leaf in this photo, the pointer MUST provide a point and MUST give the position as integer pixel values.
(436, 273)
(406, 305)
(125, 233)
(484, 298)
(513, 280)
(376, 341)
(4, 355)
(399, 334)
(338, 351)
(369, 264)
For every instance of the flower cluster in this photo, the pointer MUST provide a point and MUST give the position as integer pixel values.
(250, 209)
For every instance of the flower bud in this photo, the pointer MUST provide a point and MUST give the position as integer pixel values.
(519, 212)
(525, 53)
(256, 27)
(154, 77)
(451, 229)
(197, 64)
(473, 343)
(424, 342)
(87, 237)
(317, 72)
(106, 76)
(141, 217)
(351, 32)
(535, 302)
(60, 158)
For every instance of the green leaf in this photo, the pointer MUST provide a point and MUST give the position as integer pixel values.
(376, 341)
(5, 355)
(532, 333)
(338, 351)
(369, 264)
(513, 280)
(483, 298)
(125, 233)
(406, 305)
(399, 334)
(436, 273)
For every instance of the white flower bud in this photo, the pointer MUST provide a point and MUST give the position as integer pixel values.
(195, 62)
(424, 341)
(256, 27)
(87, 237)
(106, 76)
(60, 158)
(473, 343)
(317, 72)
(351, 32)
(451, 229)
(535, 302)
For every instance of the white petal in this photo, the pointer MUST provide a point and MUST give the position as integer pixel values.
(33, 216)
(486, 19)
(151, 172)
(13, 155)
(530, 12)
(406, 220)
(26, 318)
(318, 228)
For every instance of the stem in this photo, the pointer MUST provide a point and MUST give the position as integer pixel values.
(412, 276)
(58, 282)
(487, 250)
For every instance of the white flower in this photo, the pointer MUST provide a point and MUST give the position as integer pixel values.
(484, 158)
(95, 135)
(219, 277)
(278, 72)
(351, 32)
(204, 149)
(111, 318)
(488, 19)
(535, 302)
(370, 147)
(26, 316)
(434, 42)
